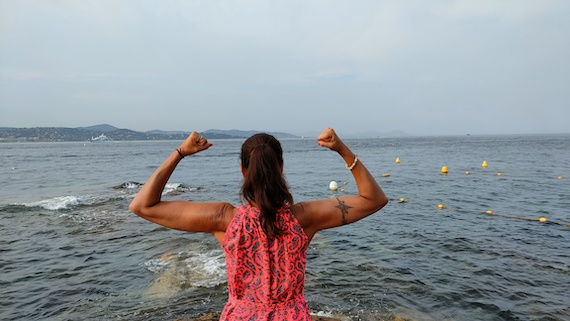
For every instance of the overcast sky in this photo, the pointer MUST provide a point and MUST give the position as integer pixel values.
(422, 67)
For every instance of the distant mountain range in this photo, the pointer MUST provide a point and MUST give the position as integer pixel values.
(109, 132)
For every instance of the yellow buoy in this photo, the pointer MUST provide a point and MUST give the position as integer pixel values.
(385, 175)
(440, 206)
(499, 174)
(344, 183)
(542, 220)
(484, 165)
(467, 173)
(342, 190)
(402, 200)
(444, 170)
(397, 160)
(489, 212)
(560, 177)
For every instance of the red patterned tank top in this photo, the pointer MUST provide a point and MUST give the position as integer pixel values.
(266, 279)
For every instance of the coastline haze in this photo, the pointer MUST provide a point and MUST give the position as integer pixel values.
(437, 68)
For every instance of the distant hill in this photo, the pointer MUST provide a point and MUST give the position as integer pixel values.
(61, 134)
(162, 132)
(103, 128)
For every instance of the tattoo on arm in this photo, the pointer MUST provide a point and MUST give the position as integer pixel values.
(343, 209)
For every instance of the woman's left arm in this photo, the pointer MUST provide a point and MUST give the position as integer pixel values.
(180, 215)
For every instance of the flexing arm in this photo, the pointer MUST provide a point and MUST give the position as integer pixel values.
(318, 215)
(180, 215)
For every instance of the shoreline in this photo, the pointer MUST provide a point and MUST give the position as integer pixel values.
(216, 316)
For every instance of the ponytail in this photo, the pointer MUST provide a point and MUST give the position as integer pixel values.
(264, 183)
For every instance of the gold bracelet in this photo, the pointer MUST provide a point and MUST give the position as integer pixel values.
(353, 163)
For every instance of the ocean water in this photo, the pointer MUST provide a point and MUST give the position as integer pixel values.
(71, 250)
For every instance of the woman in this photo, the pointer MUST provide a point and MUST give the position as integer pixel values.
(266, 239)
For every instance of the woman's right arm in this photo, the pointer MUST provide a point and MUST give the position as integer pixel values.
(211, 217)
(328, 213)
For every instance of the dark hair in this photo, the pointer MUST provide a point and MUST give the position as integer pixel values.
(263, 182)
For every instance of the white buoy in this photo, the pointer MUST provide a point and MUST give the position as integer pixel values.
(333, 186)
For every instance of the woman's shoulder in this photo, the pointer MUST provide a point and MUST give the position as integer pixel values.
(304, 214)
(239, 212)
(298, 210)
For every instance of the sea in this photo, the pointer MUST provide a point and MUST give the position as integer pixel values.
(70, 249)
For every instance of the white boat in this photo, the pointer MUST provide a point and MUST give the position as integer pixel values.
(99, 138)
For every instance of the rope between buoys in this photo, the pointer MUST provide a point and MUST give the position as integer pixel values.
(542, 219)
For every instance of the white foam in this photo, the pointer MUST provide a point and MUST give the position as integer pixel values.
(170, 187)
(130, 185)
(323, 314)
(56, 203)
(331, 315)
(177, 188)
(208, 268)
(201, 268)
(158, 265)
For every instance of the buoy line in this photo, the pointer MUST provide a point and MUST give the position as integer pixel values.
(541, 219)
(333, 186)
(443, 207)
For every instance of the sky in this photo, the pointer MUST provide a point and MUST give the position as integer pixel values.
(436, 67)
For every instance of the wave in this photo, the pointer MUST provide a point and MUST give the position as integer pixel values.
(60, 203)
(169, 188)
(128, 185)
(67, 202)
(174, 272)
(209, 268)
(177, 189)
(173, 189)
(56, 203)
